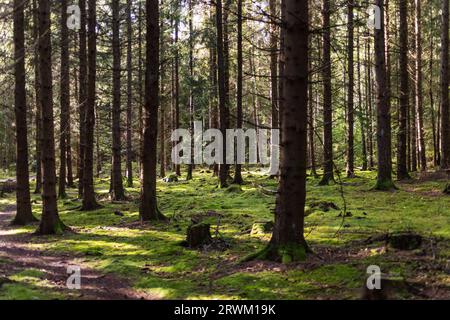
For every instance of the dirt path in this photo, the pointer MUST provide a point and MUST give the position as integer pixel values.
(94, 285)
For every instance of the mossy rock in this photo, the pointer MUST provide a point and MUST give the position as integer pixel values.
(262, 227)
(405, 240)
(308, 211)
(171, 178)
(324, 206)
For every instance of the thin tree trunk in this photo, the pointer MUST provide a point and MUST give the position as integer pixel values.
(23, 214)
(402, 170)
(223, 172)
(129, 99)
(191, 94)
(177, 78)
(116, 178)
(82, 95)
(64, 100)
(273, 76)
(37, 98)
(350, 92)
(89, 201)
(237, 174)
(444, 83)
(327, 97)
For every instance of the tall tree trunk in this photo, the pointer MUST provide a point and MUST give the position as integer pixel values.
(140, 81)
(350, 92)
(434, 122)
(369, 106)
(191, 94)
(419, 89)
(327, 97)
(237, 174)
(223, 123)
(64, 100)
(384, 177)
(361, 117)
(444, 83)
(273, 76)
(24, 214)
(148, 209)
(82, 95)
(176, 78)
(116, 178)
(37, 100)
(162, 123)
(402, 170)
(50, 222)
(129, 98)
(288, 243)
(89, 201)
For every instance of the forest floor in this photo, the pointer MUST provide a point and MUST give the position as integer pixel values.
(121, 258)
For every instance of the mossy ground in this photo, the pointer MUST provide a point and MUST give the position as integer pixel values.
(152, 258)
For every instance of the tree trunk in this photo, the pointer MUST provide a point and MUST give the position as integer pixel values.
(148, 209)
(82, 95)
(117, 183)
(273, 75)
(288, 243)
(350, 93)
(50, 222)
(37, 99)
(64, 97)
(176, 78)
(327, 97)
(191, 94)
(24, 214)
(89, 201)
(444, 82)
(223, 123)
(384, 177)
(237, 174)
(402, 170)
(129, 99)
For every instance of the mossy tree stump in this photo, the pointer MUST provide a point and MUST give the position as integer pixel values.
(198, 235)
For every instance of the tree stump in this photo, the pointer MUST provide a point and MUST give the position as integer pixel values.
(262, 227)
(198, 235)
(7, 186)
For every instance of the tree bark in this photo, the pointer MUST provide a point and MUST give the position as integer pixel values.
(444, 83)
(82, 95)
(327, 97)
(89, 201)
(117, 183)
(148, 209)
(129, 98)
(50, 222)
(402, 170)
(350, 92)
(288, 243)
(384, 176)
(64, 97)
(24, 214)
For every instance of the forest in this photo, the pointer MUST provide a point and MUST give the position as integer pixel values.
(224, 150)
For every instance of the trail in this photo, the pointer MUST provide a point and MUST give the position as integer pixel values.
(94, 284)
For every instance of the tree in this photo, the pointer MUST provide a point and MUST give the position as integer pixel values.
(350, 92)
(24, 214)
(89, 201)
(237, 173)
(288, 243)
(116, 178)
(50, 222)
(419, 87)
(223, 118)
(402, 169)
(64, 97)
(384, 176)
(82, 95)
(148, 209)
(273, 74)
(327, 97)
(444, 83)
(129, 98)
